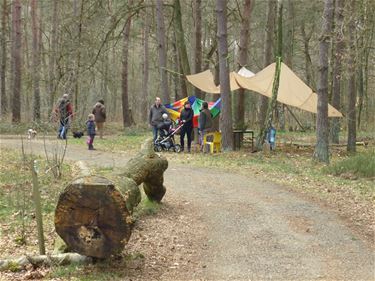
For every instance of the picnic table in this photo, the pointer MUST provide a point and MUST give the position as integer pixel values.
(239, 137)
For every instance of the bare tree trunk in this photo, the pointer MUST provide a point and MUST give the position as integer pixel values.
(35, 59)
(268, 57)
(177, 81)
(306, 49)
(52, 85)
(321, 152)
(16, 56)
(239, 113)
(337, 71)
(3, 94)
(352, 92)
(226, 107)
(125, 79)
(181, 46)
(275, 86)
(198, 42)
(78, 51)
(146, 33)
(162, 51)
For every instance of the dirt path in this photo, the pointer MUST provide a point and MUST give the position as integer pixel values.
(241, 229)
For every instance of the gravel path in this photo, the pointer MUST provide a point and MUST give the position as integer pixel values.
(250, 229)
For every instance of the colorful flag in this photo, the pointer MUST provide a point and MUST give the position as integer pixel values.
(175, 108)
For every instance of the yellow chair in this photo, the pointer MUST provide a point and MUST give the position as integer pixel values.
(215, 144)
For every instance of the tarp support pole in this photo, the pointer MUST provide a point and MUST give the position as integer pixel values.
(295, 118)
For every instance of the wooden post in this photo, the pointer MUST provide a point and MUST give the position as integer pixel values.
(38, 208)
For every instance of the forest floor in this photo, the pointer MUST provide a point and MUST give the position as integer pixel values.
(232, 216)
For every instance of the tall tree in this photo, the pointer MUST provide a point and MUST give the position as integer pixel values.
(268, 56)
(337, 68)
(352, 93)
(146, 34)
(79, 18)
(16, 60)
(162, 51)
(52, 84)
(275, 86)
(321, 152)
(3, 59)
(198, 41)
(226, 107)
(239, 116)
(181, 46)
(35, 59)
(127, 119)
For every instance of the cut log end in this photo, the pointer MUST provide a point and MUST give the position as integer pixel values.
(92, 218)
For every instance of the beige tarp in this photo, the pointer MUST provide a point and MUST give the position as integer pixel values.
(292, 90)
(205, 81)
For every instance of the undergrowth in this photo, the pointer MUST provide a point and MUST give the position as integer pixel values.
(361, 164)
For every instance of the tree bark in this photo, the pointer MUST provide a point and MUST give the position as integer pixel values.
(321, 152)
(275, 86)
(125, 79)
(35, 59)
(337, 71)
(268, 57)
(198, 42)
(239, 113)
(226, 107)
(16, 57)
(3, 94)
(52, 85)
(181, 46)
(352, 92)
(145, 92)
(78, 51)
(162, 51)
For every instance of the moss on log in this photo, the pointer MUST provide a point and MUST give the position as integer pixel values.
(148, 168)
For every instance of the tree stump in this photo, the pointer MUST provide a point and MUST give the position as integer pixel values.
(92, 216)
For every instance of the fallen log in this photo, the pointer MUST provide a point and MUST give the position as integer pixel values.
(92, 217)
(20, 263)
(148, 168)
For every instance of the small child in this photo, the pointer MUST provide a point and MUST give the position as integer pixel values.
(90, 124)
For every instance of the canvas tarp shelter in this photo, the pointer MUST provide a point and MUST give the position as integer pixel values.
(205, 81)
(292, 90)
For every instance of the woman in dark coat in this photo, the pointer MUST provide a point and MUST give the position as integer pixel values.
(186, 118)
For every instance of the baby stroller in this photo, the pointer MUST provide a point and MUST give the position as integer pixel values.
(165, 140)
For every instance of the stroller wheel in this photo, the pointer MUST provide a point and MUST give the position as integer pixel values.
(157, 148)
(177, 148)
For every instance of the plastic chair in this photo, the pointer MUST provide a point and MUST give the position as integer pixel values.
(215, 144)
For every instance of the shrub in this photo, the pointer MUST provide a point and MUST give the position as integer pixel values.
(361, 164)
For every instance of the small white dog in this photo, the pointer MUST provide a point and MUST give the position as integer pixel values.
(31, 134)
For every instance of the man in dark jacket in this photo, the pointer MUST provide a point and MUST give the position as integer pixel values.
(64, 111)
(205, 121)
(155, 116)
(186, 118)
(100, 116)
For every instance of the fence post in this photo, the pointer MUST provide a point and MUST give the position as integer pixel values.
(38, 208)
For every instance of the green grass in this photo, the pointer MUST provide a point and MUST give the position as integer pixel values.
(17, 220)
(361, 164)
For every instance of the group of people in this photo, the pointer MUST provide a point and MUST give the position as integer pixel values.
(95, 122)
(186, 117)
(97, 117)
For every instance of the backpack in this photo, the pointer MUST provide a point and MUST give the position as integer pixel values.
(63, 108)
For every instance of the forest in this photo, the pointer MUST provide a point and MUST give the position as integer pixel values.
(128, 52)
